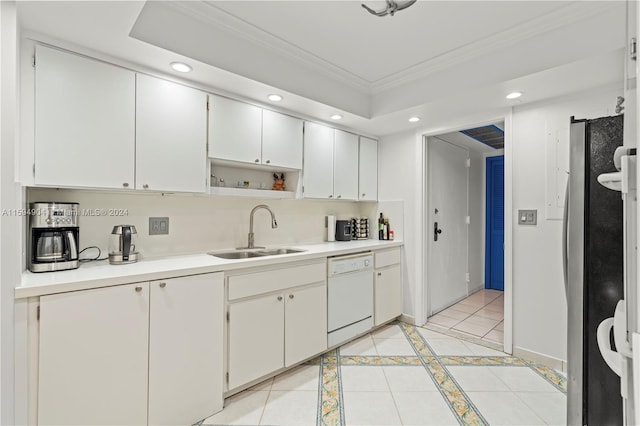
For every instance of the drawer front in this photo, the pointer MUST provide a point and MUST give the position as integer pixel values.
(260, 282)
(387, 257)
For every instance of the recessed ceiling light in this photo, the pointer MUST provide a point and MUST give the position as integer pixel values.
(414, 119)
(514, 95)
(180, 67)
(275, 98)
(336, 117)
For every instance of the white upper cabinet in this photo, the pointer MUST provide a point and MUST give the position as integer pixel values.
(171, 135)
(345, 166)
(368, 170)
(281, 140)
(84, 122)
(248, 134)
(318, 161)
(235, 130)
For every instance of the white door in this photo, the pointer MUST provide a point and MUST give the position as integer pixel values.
(93, 357)
(368, 170)
(235, 130)
(448, 209)
(84, 122)
(305, 322)
(171, 136)
(185, 349)
(318, 161)
(281, 140)
(345, 166)
(256, 338)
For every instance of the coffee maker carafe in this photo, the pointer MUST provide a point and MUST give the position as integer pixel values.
(122, 245)
(53, 236)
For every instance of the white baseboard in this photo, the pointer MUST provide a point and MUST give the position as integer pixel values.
(548, 361)
(408, 319)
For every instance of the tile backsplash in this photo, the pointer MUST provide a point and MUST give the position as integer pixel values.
(198, 223)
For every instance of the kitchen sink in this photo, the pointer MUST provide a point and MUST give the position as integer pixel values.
(246, 254)
(273, 252)
(236, 254)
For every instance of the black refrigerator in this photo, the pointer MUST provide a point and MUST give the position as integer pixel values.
(594, 277)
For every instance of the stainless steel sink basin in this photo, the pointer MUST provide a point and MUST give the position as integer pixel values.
(273, 252)
(236, 254)
(246, 254)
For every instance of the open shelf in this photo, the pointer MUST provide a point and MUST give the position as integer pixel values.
(248, 192)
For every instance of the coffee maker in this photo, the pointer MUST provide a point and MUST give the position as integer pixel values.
(53, 236)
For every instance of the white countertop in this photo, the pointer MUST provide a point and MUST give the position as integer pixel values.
(101, 274)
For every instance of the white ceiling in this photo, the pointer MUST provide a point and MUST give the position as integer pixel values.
(437, 59)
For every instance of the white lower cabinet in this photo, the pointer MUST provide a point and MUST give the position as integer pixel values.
(277, 318)
(387, 286)
(145, 353)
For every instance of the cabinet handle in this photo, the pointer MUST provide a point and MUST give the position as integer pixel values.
(364, 195)
(268, 161)
(379, 274)
(163, 285)
(339, 196)
(257, 160)
(279, 298)
(145, 186)
(138, 289)
(330, 196)
(291, 296)
(125, 184)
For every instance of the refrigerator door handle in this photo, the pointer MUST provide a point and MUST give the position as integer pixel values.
(565, 236)
(611, 357)
(620, 329)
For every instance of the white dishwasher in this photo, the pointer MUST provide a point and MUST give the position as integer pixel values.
(350, 296)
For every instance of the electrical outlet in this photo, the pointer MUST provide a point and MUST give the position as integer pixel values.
(158, 225)
(527, 217)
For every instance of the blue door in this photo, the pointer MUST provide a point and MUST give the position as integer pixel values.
(494, 244)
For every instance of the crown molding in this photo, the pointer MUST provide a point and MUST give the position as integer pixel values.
(209, 13)
(567, 15)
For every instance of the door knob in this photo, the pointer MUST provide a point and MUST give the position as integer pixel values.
(138, 289)
(163, 285)
(436, 231)
(279, 298)
(291, 296)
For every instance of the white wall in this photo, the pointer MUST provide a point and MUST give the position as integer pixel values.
(399, 162)
(10, 193)
(539, 303)
(201, 223)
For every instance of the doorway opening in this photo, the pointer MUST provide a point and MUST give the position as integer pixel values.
(465, 223)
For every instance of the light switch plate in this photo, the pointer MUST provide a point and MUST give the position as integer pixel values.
(158, 225)
(527, 217)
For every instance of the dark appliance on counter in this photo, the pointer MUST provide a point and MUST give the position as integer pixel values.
(343, 230)
(593, 260)
(53, 236)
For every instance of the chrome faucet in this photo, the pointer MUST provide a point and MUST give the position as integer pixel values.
(274, 224)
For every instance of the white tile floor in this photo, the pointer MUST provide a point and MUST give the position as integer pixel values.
(480, 316)
(403, 375)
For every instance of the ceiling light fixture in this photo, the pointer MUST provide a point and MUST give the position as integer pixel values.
(392, 7)
(414, 119)
(336, 117)
(275, 98)
(514, 95)
(180, 67)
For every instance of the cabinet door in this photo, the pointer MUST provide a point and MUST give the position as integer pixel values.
(84, 122)
(345, 166)
(368, 170)
(171, 136)
(93, 357)
(388, 294)
(306, 323)
(186, 349)
(235, 130)
(281, 140)
(256, 338)
(318, 161)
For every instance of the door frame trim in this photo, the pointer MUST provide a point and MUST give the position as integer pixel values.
(422, 287)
